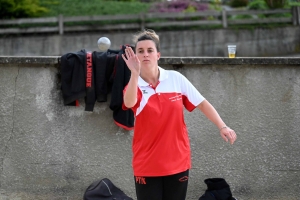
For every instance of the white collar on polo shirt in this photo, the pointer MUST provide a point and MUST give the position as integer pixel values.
(163, 74)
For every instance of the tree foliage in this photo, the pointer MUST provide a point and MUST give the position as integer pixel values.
(10, 9)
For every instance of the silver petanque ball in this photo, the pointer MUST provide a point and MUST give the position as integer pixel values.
(104, 43)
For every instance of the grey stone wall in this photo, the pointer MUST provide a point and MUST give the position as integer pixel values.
(51, 151)
(260, 42)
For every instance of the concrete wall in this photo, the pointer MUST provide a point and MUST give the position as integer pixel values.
(258, 42)
(50, 151)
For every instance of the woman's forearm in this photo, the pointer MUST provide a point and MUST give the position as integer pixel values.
(130, 96)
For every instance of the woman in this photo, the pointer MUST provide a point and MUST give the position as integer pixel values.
(161, 149)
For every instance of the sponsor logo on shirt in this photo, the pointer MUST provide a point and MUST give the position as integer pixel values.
(145, 92)
(176, 98)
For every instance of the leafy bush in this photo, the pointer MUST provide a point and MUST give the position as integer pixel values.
(258, 5)
(238, 3)
(215, 5)
(294, 4)
(20, 9)
(274, 4)
(178, 6)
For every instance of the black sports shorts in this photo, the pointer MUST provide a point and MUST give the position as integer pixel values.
(172, 187)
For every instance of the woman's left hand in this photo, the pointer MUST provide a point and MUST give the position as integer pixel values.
(228, 134)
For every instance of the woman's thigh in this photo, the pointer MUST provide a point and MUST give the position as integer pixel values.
(148, 188)
(172, 187)
(175, 186)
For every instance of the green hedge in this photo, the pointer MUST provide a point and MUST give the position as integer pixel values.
(10, 9)
(92, 7)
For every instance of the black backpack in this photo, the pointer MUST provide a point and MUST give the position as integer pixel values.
(217, 189)
(104, 189)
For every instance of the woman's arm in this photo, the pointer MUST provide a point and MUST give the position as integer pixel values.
(130, 96)
(133, 64)
(210, 112)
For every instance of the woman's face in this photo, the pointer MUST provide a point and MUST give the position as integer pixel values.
(147, 53)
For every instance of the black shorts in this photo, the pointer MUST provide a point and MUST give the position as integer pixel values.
(172, 187)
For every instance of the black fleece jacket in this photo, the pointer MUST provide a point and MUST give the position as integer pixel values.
(77, 78)
(93, 75)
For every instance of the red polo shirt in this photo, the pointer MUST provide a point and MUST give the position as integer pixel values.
(160, 143)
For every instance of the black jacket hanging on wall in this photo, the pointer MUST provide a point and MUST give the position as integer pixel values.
(105, 67)
(111, 76)
(77, 79)
(92, 75)
(121, 77)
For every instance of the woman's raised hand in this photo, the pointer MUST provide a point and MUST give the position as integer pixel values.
(132, 61)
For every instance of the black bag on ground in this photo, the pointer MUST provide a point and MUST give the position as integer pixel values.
(104, 189)
(217, 189)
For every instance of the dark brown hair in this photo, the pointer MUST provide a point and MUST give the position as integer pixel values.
(147, 34)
